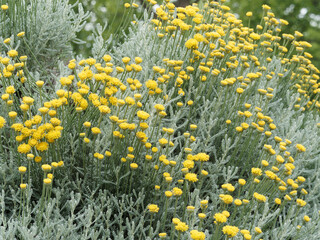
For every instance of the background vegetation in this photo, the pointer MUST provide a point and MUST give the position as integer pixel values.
(207, 126)
(303, 16)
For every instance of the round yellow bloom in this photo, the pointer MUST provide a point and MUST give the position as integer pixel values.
(4, 7)
(306, 218)
(300, 148)
(7, 41)
(142, 115)
(10, 90)
(256, 171)
(242, 181)
(177, 191)
(46, 167)
(192, 44)
(133, 166)
(12, 53)
(42, 146)
(47, 181)
(162, 235)
(230, 231)
(259, 197)
(24, 148)
(249, 14)
(22, 169)
(191, 177)
(21, 34)
(95, 130)
(40, 83)
(159, 107)
(237, 202)
(37, 159)
(227, 199)
(196, 235)
(182, 227)
(153, 208)
(2, 122)
(220, 218)
(104, 109)
(168, 194)
(301, 203)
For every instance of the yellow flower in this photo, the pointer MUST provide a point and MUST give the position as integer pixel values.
(2, 122)
(191, 177)
(300, 202)
(259, 197)
(22, 169)
(220, 218)
(163, 142)
(142, 115)
(191, 44)
(168, 194)
(159, 107)
(37, 159)
(133, 166)
(227, 199)
(7, 41)
(42, 146)
(162, 235)
(4, 7)
(153, 208)
(196, 235)
(104, 109)
(12, 53)
(306, 218)
(182, 227)
(190, 209)
(47, 181)
(188, 164)
(202, 157)
(256, 171)
(21, 34)
(230, 231)
(95, 130)
(46, 168)
(300, 148)
(10, 90)
(24, 148)
(258, 230)
(237, 202)
(177, 192)
(242, 181)
(264, 163)
(28, 100)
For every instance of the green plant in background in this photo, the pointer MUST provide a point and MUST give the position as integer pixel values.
(114, 18)
(195, 127)
(303, 16)
(50, 28)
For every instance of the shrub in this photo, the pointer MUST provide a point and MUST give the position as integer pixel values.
(196, 127)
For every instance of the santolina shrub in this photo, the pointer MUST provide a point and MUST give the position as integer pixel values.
(197, 127)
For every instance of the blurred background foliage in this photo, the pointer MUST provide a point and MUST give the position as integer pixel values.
(303, 16)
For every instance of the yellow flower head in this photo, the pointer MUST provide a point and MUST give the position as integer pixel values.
(153, 208)
(196, 235)
(191, 177)
(230, 231)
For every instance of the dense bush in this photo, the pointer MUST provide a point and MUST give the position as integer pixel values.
(196, 127)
